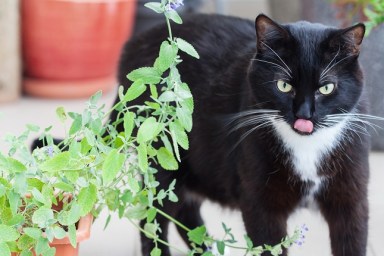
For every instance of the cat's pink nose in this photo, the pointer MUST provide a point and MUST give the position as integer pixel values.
(303, 125)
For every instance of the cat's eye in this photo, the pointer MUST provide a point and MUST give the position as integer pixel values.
(327, 89)
(284, 86)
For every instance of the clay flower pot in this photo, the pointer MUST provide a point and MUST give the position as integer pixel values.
(63, 246)
(71, 48)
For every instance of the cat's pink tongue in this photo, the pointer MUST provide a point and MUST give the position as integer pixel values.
(303, 125)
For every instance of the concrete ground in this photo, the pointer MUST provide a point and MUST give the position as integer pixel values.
(121, 238)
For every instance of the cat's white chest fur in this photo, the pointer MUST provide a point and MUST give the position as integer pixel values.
(307, 152)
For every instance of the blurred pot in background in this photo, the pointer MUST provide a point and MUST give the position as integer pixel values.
(71, 48)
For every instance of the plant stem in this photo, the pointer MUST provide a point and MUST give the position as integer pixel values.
(151, 236)
(173, 220)
(169, 29)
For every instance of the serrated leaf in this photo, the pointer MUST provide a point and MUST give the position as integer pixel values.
(42, 216)
(135, 90)
(197, 235)
(33, 232)
(64, 186)
(25, 242)
(185, 118)
(112, 165)
(167, 159)
(87, 198)
(129, 124)
(73, 214)
(57, 163)
(15, 166)
(142, 157)
(168, 96)
(8, 234)
(133, 184)
(60, 112)
(167, 56)
(187, 48)
(76, 125)
(72, 235)
(148, 130)
(148, 75)
(180, 135)
(174, 16)
(156, 7)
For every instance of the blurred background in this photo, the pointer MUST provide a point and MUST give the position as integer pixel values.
(58, 52)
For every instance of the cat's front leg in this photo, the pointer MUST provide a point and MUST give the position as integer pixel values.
(264, 225)
(348, 224)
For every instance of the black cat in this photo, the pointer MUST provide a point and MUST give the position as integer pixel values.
(278, 121)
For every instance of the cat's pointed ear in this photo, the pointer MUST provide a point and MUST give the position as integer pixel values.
(268, 31)
(349, 39)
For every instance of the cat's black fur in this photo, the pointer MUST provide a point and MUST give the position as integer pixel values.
(237, 72)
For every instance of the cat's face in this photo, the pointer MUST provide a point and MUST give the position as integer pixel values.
(307, 72)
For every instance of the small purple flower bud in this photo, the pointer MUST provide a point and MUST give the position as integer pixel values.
(50, 151)
(174, 4)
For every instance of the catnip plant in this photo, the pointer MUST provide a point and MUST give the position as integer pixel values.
(103, 167)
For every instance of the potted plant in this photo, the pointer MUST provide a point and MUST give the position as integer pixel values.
(70, 48)
(103, 167)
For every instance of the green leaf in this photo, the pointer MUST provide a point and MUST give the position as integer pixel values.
(42, 245)
(33, 232)
(180, 135)
(174, 16)
(15, 166)
(16, 220)
(112, 165)
(25, 242)
(187, 48)
(142, 157)
(185, 118)
(64, 186)
(220, 247)
(8, 234)
(35, 183)
(72, 235)
(133, 184)
(167, 56)
(87, 198)
(197, 235)
(150, 229)
(59, 232)
(168, 96)
(26, 252)
(4, 249)
(60, 112)
(57, 163)
(148, 75)
(42, 216)
(154, 92)
(148, 130)
(173, 197)
(135, 90)
(129, 124)
(155, 252)
(156, 7)
(73, 214)
(151, 214)
(76, 124)
(167, 159)
(95, 97)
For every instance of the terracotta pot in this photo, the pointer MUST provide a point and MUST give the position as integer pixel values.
(67, 40)
(63, 246)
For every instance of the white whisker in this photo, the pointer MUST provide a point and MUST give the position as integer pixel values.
(276, 65)
(277, 56)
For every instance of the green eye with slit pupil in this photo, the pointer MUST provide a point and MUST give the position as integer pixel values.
(327, 89)
(284, 86)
